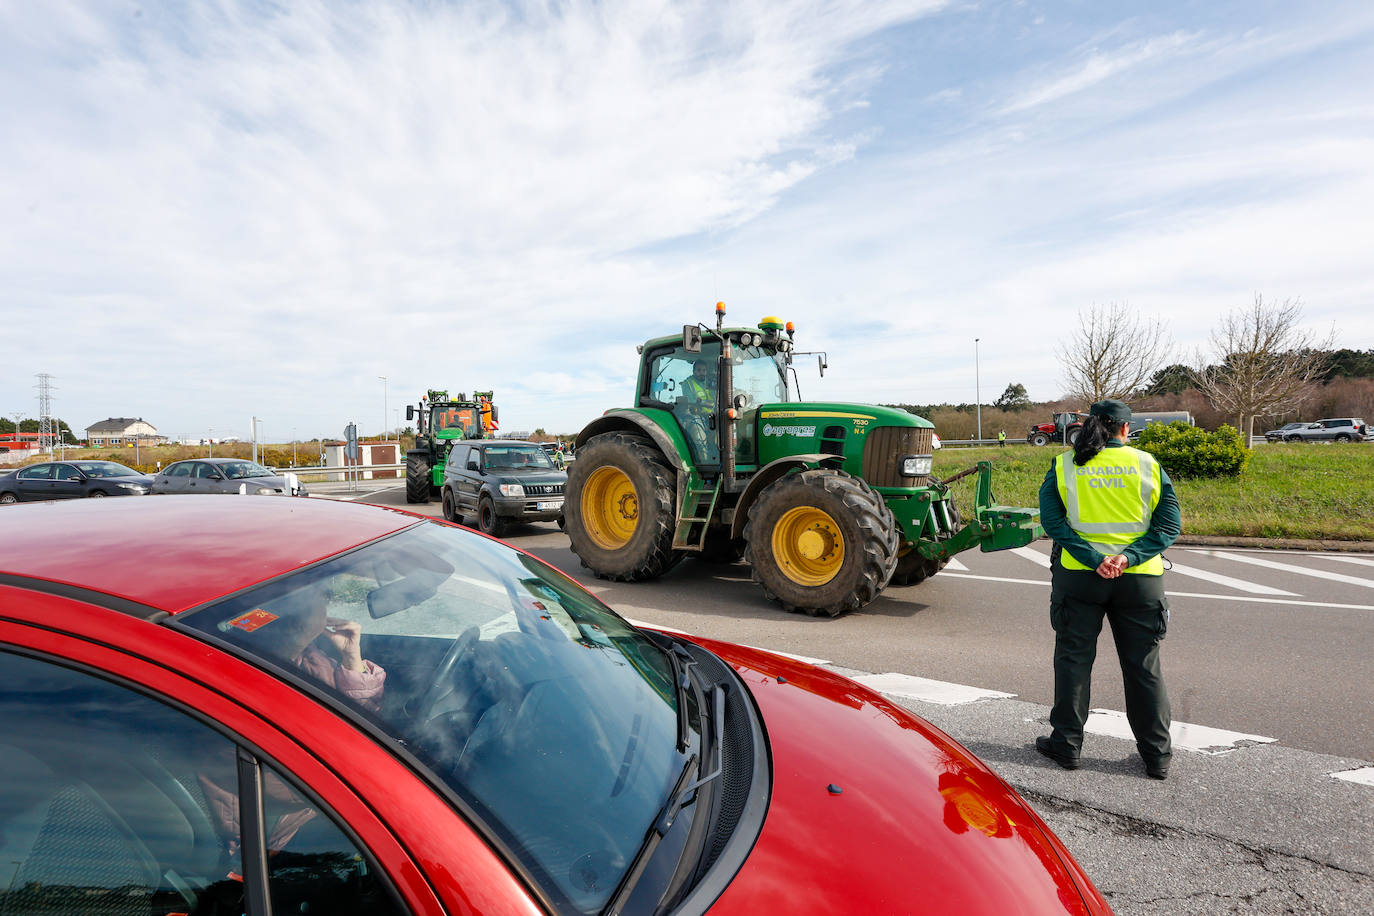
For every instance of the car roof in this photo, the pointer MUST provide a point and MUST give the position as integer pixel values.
(483, 443)
(170, 553)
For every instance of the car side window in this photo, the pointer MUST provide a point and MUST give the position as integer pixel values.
(37, 472)
(203, 471)
(180, 470)
(113, 802)
(474, 459)
(63, 472)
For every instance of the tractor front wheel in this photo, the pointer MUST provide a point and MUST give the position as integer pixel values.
(821, 542)
(1038, 438)
(417, 478)
(618, 508)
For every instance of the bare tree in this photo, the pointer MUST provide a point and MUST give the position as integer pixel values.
(1261, 362)
(1113, 354)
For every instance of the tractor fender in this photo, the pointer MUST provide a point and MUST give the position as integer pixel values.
(647, 423)
(771, 472)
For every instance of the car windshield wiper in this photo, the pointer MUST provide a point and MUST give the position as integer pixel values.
(682, 684)
(683, 790)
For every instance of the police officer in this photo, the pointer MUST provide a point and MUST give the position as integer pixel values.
(1111, 511)
(1001, 438)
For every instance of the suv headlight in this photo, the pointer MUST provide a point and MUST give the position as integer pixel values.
(512, 489)
(916, 465)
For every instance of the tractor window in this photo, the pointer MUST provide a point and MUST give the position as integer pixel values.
(758, 375)
(464, 418)
(686, 384)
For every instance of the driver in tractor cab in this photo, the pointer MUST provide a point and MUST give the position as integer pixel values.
(699, 393)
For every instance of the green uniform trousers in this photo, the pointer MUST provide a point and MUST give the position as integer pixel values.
(1138, 612)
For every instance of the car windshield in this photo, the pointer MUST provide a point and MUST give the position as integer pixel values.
(237, 470)
(552, 719)
(515, 457)
(105, 469)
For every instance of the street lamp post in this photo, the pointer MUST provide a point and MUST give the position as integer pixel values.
(385, 412)
(977, 391)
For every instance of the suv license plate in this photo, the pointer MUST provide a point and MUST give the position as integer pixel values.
(551, 504)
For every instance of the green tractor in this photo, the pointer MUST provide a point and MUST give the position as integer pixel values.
(827, 503)
(439, 422)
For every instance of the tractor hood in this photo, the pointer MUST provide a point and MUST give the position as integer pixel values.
(817, 413)
(874, 810)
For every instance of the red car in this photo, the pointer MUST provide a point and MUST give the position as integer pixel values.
(302, 706)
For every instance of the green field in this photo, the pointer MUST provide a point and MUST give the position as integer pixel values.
(1309, 491)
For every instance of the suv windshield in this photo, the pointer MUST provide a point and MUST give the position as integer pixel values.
(105, 469)
(515, 457)
(552, 719)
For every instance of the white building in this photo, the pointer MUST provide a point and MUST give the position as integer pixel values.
(123, 431)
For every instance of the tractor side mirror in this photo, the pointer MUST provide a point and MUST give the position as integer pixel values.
(410, 411)
(691, 338)
(821, 364)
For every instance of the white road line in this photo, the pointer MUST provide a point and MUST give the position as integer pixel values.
(1252, 587)
(1364, 776)
(1290, 568)
(1035, 556)
(956, 566)
(1362, 561)
(920, 688)
(1249, 599)
(1240, 584)
(1200, 739)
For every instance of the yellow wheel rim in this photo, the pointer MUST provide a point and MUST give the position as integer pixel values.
(610, 508)
(808, 546)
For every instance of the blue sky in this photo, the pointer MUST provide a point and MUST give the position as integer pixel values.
(219, 210)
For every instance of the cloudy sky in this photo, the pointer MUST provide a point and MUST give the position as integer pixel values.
(217, 210)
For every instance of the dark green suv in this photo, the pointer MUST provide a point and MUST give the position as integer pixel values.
(502, 482)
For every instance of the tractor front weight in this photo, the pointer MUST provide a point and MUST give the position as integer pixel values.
(925, 519)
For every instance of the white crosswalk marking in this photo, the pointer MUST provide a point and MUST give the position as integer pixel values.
(1253, 588)
(1364, 776)
(921, 688)
(1361, 561)
(955, 566)
(1290, 568)
(1200, 739)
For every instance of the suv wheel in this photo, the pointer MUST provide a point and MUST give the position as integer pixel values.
(1343, 437)
(488, 522)
(450, 510)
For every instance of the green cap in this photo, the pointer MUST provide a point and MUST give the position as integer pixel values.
(1111, 410)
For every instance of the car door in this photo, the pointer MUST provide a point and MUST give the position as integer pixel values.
(173, 478)
(34, 482)
(472, 479)
(67, 482)
(205, 478)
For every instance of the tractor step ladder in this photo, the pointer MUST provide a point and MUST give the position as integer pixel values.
(698, 505)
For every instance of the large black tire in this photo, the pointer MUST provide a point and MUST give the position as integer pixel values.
(417, 478)
(838, 518)
(618, 508)
(450, 508)
(1073, 436)
(1342, 437)
(488, 522)
(1038, 438)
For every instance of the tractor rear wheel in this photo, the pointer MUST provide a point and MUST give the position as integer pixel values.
(821, 542)
(618, 508)
(417, 478)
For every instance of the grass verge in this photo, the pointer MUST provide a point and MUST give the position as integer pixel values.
(1323, 492)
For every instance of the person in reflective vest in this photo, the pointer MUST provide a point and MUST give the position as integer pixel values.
(700, 404)
(1112, 512)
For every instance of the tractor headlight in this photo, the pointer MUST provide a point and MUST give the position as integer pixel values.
(916, 466)
(512, 489)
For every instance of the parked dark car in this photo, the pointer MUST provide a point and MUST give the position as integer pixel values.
(260, 706)
(1283, 432)
(70, 480)
(225, 475)
(502, 482)
(1335, 429)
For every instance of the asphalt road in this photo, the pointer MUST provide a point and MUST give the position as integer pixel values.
(1274, 649)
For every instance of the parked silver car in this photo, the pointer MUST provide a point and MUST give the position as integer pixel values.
(1338, 429)
(225, 475)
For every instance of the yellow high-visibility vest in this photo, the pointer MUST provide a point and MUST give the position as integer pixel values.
(1110, 501)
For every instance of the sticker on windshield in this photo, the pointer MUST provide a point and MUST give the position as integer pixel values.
(250, 621)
